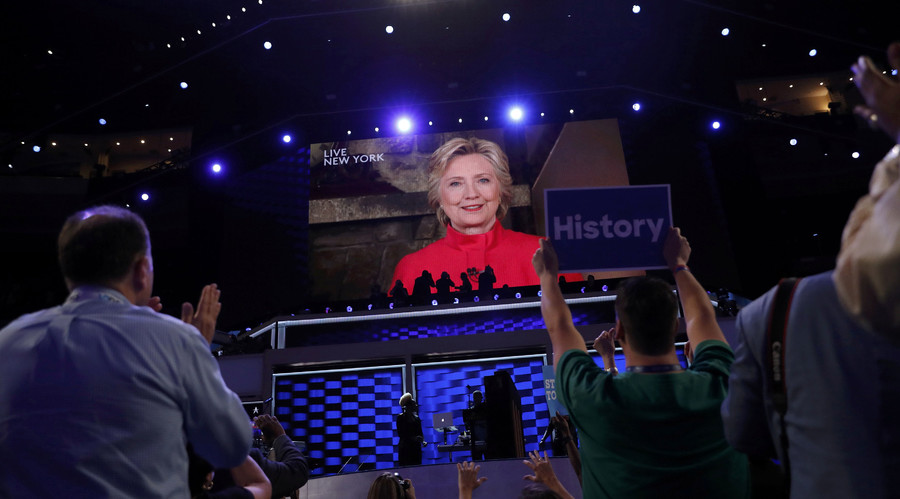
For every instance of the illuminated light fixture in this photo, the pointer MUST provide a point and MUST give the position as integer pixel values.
(636, 106)
(10, 165)
(433, 303)
(36, 148)
(791, 85)
(765, 99)
(571, 111)
(243, 9)
(86, 144)
(539, 292)
(430, 123)
(516, 113)
(50, 52)
(286, 139)
(370, 306)
(198, 31)
(145, 196)
(485, 118)
(377, 130)
(213, 25)
(267, 45)
(183, 84)
(171, 138)
(505, 16)
(118, 143)
(404, 125)
(518, 296)
(389, 29)
(391, 305)
(542, 115)
(101, 121)
(855, 155)
(455, 300)
(893, 72)
(760, 89)
(147, 105)
(348, 132)
(582, 289)
(726, 31)
(476, 299)
(763, 45)
(460, 120)
(143, 141)
(716, 125)
(260, 2)
(496, 297)
(349, 308)
(605, 288)
(813, 52)
(327, 310)
(168, 45)
(182, 38)
(793, 142)
(53, 143)
(636, 9)
(228, 16)
(169, 150)
(216, 168)
(821, 83)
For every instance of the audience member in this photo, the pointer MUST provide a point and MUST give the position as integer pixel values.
(565, 442)
(100, 394)
(468, 479)
(544, 474)
(391, 486)
(245, 481)
(654, 430)
(832, 415)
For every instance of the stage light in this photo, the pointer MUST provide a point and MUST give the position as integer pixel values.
(349, 308)
(433, 303)
(430, 123)
(716, 125)
(53, 143)
(171, 139)
(36, 148)
(518, 296)
(243, 9)
(145, 197)
(855, 155)
(370, 306)
(286, 138)
(636, 9)
(216, 168)
(168, 45)
(582, 289)
(327, 310)
(496, 297)
(198, 31)
(455, 300)
(102, 121)
(793, 142)
(404, 125)
(636, 106)
(348, 132)
(476, 299)
(50, 52)
(725, 31)
(542, 115)
(267, 45)
(516, 113)
(376, 130)
(389, 29)
(485, 118)
(213, 25)
(143, 141)
(813, 52)
(571, 111)
(460, 120)
(539, 293)
(228, 16)
(505, 16)
(184, 84)
(604, 288)
(391, 305)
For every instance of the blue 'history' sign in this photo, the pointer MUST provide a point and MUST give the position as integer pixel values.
(608, 228)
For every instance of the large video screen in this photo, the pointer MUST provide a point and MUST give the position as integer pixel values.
(368, 204)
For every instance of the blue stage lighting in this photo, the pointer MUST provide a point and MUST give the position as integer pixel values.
(505, 16)
(456, 301)
(726, 31)
(518, 296)
(793, 142)
(636, 9)
(404, 125)
(145, 196)
(433, 303)
(716, 125)
(36, 148)
(370, 306)
(476, 299)
(286, 138)
(267, 45)
(349, 308)
(102, 121)
(391, 305)
(184, 84)
(516, 113)
(636, 106)
(813, 52)
(216, 168)
(604, 288)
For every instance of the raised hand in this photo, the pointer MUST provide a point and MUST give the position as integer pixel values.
(881, 93)
(208, 308)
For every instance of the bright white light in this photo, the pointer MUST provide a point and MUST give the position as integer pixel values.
(389, 29)
(460, 120)
(168, 45)
(145, 196)
(812, 53)
(430, 123)
(404, 125)
(505, 16)
(217, 168)
(50, 52)
(542, 115)
(53, 143)
(36, 148)
(725, 31)
(260, 2)
(855, 155)
(485, 118)
(143, 141)
(348, 132)
(171, 139)
(636, 106)
(716, 125)
(286, 138)
(760, 89)
(198, 31)
(793, 142)
(267, 45)
(86, 144)
(182, 38)
(228, 17)
(184, 84)
(102, 121)
(636, 9)
(376, 130)
(349, 308)
(516, 113)
(243, 9)
(213, 25)
(571, 111)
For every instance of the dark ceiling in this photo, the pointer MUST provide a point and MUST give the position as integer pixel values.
(333, 67)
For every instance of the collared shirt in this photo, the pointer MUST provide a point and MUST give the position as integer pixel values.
(843, 393)
(99, 397)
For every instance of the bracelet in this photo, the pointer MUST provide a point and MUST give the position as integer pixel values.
(680, 268)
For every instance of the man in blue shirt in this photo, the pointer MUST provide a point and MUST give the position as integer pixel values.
(101, 395)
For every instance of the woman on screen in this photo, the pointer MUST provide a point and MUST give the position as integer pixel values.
(470, 190)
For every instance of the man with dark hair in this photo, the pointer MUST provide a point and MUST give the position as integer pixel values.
(100, 395)
(654, 430)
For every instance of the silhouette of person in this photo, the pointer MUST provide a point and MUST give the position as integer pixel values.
(399, 293)
(486, 280)
(465, 285)
(422, 288)
(443, 286)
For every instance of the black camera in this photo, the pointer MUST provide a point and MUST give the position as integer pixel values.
(404, 484)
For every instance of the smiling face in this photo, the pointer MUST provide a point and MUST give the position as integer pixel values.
(470, 194)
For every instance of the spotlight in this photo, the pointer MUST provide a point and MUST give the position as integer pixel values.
(389, 29)
(716, 125)
(430, 123)
(460, 120)
(455, 300)
(496, 297)
(485, 118)
(793, 142)
(813, 52)
(348, 132)
(518, 296)
(505, 16)
(370, 306)
(349, 308)
(433, 303)
(476, 299)
(726, 31)
(216, 168)
(604, 288)
(376, 129)
(855, 155)
(327, 310)
(404, 125)
(36, 148)
(571, 111)
(516, 113)
(539, 292)
(391, 305)
(102, 121)
(582, 289)
(636, 9)
(636, 106)
(267, 45)
(145, 197)
(184, 84)
(286, 138)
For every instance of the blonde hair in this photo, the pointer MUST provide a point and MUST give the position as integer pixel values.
(454, 148)
(405, 399)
